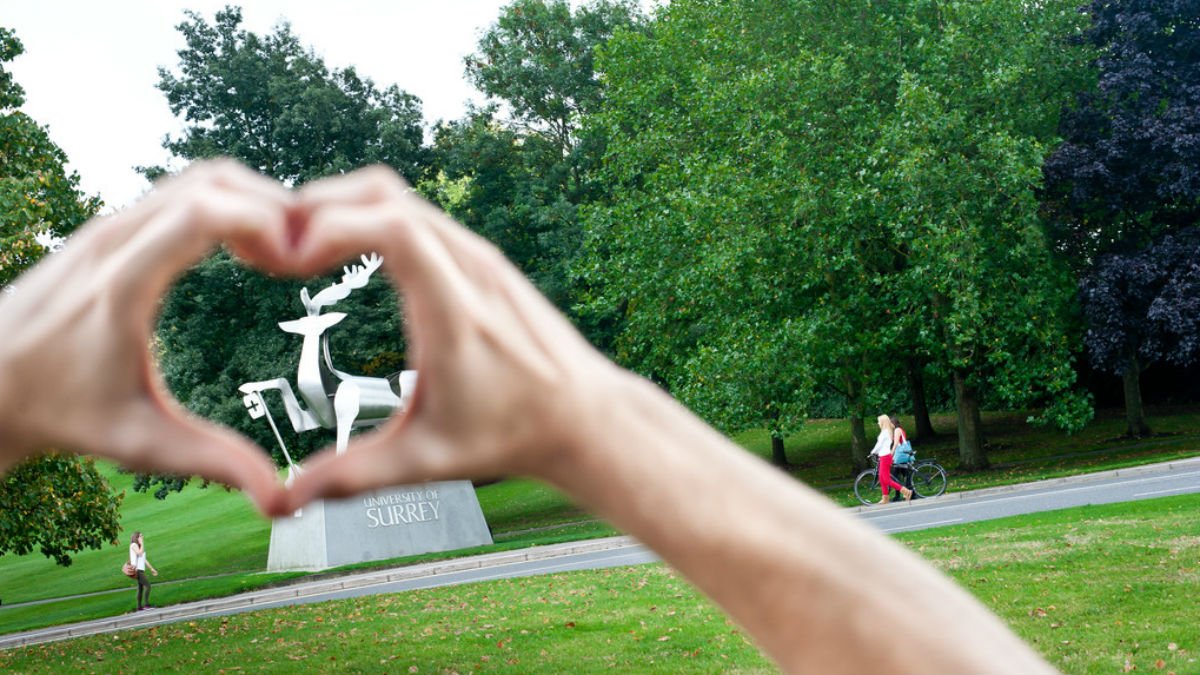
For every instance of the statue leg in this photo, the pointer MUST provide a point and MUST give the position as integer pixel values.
(345, 407)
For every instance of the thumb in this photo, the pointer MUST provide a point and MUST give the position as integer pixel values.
(176, 443)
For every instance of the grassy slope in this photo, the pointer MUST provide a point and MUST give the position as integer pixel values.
(208, 532)
(215, 533)
(1096, 589)
(193, 533)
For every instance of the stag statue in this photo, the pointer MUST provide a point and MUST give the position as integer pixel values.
(336, 400)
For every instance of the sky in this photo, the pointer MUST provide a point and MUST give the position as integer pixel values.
(89, 69)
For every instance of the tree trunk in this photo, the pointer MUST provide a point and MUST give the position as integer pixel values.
(858, 435)
(971, 456)
(923, 426)
(858, 443)
(778, 457)
(1135, 414)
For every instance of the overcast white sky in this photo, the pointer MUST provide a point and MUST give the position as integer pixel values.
(89, 67)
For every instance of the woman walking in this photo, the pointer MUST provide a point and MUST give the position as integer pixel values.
(137, 558)
(883, 447)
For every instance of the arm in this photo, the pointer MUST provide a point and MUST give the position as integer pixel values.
(507, 386)
(77, 372)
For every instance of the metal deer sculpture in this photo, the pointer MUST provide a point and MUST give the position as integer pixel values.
(336, 400)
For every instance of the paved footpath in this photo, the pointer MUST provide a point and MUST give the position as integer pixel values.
(1141, 482)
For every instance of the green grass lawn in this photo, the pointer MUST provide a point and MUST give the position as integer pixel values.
(1098, 589)
(215, 533)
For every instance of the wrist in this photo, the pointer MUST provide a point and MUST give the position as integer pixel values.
(610, 421)
(594, 414)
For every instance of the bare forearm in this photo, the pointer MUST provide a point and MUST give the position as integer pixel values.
(806, 580)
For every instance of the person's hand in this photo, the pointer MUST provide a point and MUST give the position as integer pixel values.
(78, 375)
(504, 382)
(154, 572)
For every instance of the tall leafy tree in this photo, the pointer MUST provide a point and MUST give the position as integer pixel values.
(539, 59)
(1129, 169)
(273, 103)
(857, 184)
(56, 504)
(710, 243)
(976, 112)
(525, 161)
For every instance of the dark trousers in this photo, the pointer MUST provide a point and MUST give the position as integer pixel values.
(143, 583)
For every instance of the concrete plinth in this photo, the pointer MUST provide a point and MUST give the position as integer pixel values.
(389, 523)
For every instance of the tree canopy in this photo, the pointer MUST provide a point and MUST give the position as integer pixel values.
(811, 192)
(1129, 167)
(38, 198)
(57, 504)
(275, 105)
(524, 163)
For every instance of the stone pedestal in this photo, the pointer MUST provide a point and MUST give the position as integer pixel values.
(389, 523)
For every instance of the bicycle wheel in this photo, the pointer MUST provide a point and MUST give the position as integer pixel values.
(866, 487)
(928, 479)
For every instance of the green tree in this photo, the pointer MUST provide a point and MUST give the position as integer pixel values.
(58, 504)
(855, 183)
(976, 112)
(525, 173)
(37, 196)
(694, 247)
(274, 104)
(539, 59)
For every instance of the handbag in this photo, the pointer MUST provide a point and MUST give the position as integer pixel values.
(128, 570)
(904, 453)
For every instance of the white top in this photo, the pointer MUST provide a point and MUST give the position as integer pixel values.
(137, 560)
(883, 445)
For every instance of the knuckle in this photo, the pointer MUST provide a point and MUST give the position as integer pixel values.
(384, 181)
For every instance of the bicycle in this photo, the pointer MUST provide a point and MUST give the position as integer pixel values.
(925, 477)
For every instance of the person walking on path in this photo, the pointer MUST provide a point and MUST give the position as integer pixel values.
(137, 558)
(883, 447)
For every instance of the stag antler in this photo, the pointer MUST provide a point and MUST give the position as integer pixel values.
(353, 276)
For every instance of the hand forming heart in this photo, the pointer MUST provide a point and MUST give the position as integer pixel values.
(78, 374)
(506, 387)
